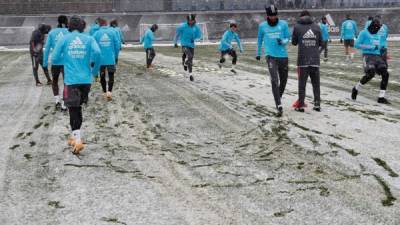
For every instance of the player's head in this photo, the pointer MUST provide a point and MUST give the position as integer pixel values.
(96, 21)
(114, 23)
(348, 17)
(102, 22)
(233, 26)
(272, 12)
(324, 20)
(154, 27)
(62, 21)
(370, 18)
(375, 26)
(305, 13)
(191, 19)
(44, 29)
(378, 17)
(76, 23)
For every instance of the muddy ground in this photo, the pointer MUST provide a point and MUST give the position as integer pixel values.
(168, 151)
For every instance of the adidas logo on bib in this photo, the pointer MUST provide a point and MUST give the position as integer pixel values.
(310, 34)
(59, 36)
(105, 40)
(76, 43)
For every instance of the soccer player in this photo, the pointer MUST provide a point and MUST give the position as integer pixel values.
(372, 44)
(36, 50)
(94, 27)
(110, 46)
(370, 18)
(324, 26)
(226, 47)
(114, 24)
(348, 34)
(307, 36)
(147, 41)
(274, 34)
(187, 33)
(56, 67)
(78, 52)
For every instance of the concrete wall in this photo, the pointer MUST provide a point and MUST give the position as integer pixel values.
(216, 22)
(35, 7)
(54, 6)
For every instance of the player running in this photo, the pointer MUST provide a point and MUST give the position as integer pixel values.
(147, 41)
(94, 27)
(77, 51)
(36, 50)
(274, 34)
(384, 33)
(372, 45)
(110, 46)
(187, 33)
(226, 47)
(348, 33)
(307, 35)
(324, 26)
(56, 67)
(370, 18)
(114, 24)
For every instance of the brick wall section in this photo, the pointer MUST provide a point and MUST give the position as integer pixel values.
(18, 7)
(55, 6)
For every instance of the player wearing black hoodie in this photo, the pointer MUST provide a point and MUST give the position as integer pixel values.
(307, 36)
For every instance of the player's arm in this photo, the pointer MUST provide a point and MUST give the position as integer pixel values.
(47, 48)
(58, 50)
(198, 34)
(117, 46)
(295, 37)
(178, 34)
(342, 31)
(286, 35)
(355, 29)
(239, 42)
(142, 38)
(319, 36)
(95, 57)
(260, 40)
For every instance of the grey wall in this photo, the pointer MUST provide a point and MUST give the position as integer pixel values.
(35, 7)
(217, 23)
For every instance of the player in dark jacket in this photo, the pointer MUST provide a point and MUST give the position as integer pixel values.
(307, 36)
(36, 50)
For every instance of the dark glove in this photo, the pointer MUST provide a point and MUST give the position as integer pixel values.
(116, 60)
(341, 41)
(92, 64)
(383, 51)
(376, 47)
(279, 41)
(176, 46)
(258, 58)
(330, 40)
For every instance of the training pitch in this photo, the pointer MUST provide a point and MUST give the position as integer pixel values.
(170, 151)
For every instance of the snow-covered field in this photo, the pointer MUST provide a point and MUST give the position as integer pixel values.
(168, 151)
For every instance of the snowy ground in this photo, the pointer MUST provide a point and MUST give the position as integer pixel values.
(168, 151)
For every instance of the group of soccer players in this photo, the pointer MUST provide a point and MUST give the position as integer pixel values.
(81, 56)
